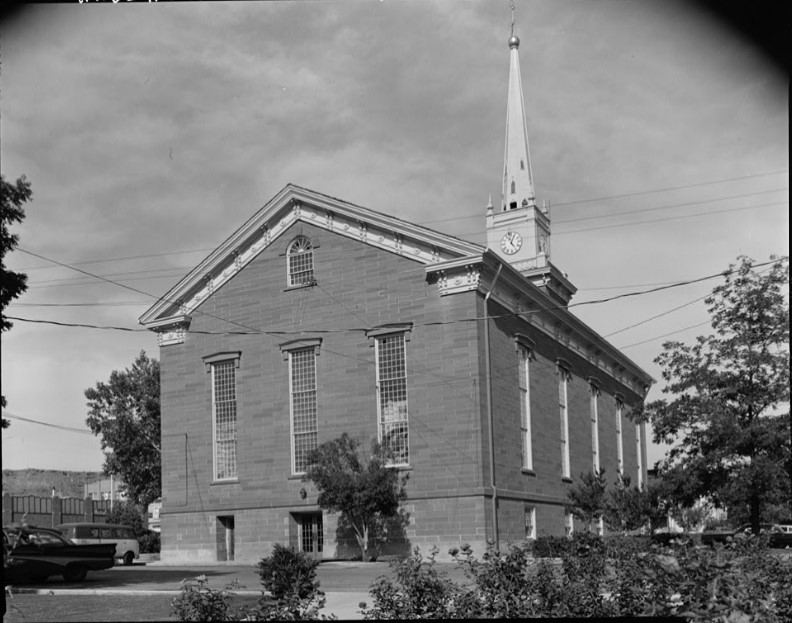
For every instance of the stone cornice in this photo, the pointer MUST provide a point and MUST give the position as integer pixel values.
(517, 294)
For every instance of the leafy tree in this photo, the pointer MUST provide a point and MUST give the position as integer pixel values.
(627, 508)
(678, 493)
(586, 500)
(12, 284)
(367, 493)
(727, 394)
(125, 413)
(127, 513)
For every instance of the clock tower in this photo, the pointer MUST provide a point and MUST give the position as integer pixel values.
(519, 231)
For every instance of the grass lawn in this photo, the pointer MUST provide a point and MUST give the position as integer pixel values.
(33, 608)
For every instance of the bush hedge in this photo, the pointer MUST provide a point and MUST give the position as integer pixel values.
(588, 576)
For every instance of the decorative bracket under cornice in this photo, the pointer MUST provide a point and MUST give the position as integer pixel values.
(171, 330)
(457, 275)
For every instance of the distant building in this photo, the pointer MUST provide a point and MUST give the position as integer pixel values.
(110, 488)
(154, 515)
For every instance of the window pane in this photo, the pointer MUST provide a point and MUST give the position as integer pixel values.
(225, 419)
(303, 405)
(300, 261)
(392, 397)
(525, 409)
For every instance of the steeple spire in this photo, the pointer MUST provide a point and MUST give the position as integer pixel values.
(520, 231)
(518, 188)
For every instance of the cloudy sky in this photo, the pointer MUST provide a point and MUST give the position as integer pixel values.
(151, 132)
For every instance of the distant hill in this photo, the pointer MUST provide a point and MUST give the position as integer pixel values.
(41, 482)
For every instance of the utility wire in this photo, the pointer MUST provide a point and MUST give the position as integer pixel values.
(647, 222)
(85, 304)
(641, 193)
(566, 203)
(425, 324)
(70, 281)
(121, 285)
(667, 207)
(669, 188)
(658, 337)
(121, 259)
(66, 428)
(660, 315)
(668, 311)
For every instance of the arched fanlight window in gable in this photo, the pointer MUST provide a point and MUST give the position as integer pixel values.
(300, 261)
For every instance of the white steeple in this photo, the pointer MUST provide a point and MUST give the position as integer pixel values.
(520, 231)
(518, 188)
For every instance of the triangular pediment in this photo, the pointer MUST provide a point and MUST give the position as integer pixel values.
(291, 205)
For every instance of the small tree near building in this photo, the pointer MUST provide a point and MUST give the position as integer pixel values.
(586, 500)
(367, 493)
(627, 508)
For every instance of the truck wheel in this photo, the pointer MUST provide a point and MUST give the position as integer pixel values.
(129, 558)
(75, 573)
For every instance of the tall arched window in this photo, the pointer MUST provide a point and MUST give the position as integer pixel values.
(300, 261)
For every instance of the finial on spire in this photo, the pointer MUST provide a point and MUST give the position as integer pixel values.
(514, 41)
(518, 190)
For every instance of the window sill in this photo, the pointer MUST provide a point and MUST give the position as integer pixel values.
(234, 481)
(406, 467)
(298, 476)
(528, 472)
(301, 286)
(566, 479)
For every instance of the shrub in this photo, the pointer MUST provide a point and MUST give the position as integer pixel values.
(549, 546)
(149, 542)
(419, 591)
(612, 577)
(502, 581)
(289, 608)
(198, 602)
(127, 513)
(288, 572)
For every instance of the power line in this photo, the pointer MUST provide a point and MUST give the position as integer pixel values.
(121, 285)
(66, 282)
(672, 218)
(457, 218)
(669, 311)
(660, 315)
(85, 304)
(128, 272)
(667, 207)
(658, 337)
(58, 426)
(121, 259)
(669, 188)
(253, 331)
(645, 192)
(649, 221)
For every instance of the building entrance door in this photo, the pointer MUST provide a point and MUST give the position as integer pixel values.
(310, 533)
(225, 538)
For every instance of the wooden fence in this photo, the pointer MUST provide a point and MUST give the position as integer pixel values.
(49, 512)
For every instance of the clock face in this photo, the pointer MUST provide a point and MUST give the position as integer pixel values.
(511, 242)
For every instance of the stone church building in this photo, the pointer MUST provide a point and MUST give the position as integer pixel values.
(318, 317)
